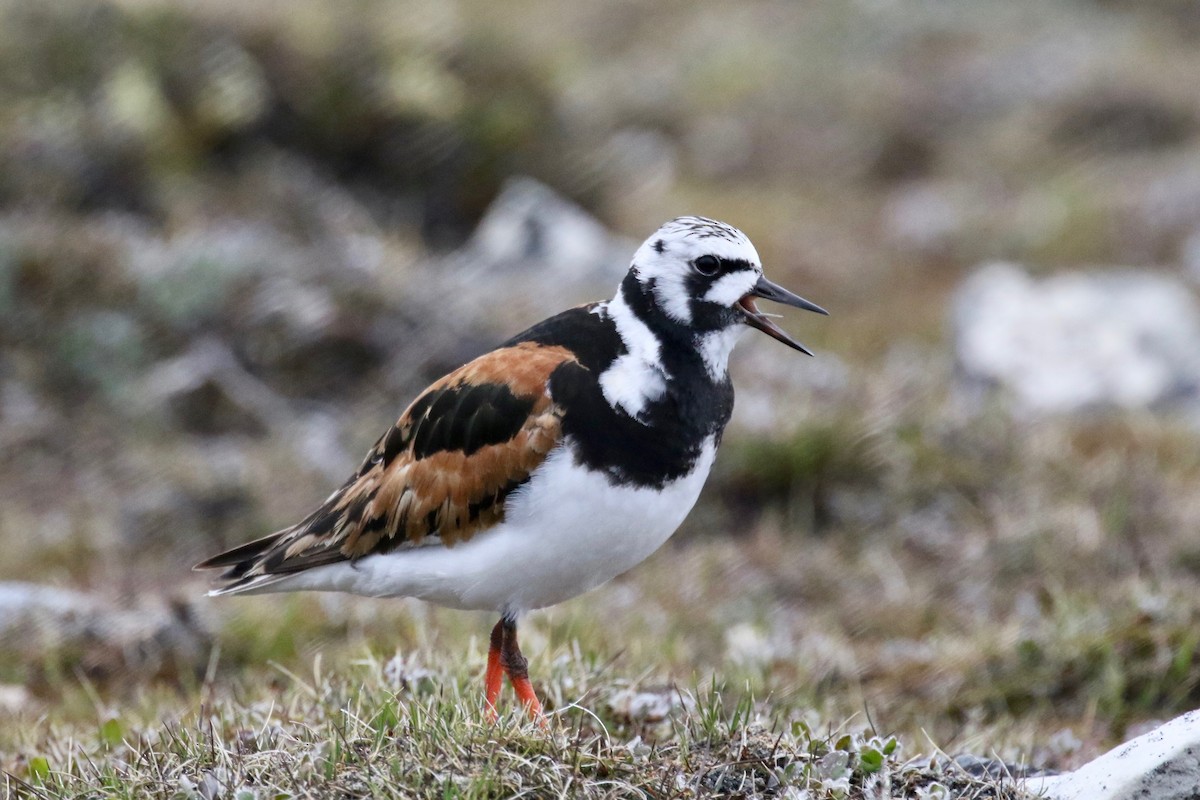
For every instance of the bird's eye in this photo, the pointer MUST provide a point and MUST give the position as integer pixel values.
(707, 265)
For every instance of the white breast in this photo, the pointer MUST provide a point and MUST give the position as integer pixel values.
(635, 378)
(566, 531)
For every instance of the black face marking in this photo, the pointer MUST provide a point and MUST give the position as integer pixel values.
(660, 246)
(734, 264)
(705, 316)
(708, 266)
(466, 418)
(708, 316)
(641, 300)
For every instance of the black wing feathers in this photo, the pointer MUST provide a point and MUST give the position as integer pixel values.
(468, 417)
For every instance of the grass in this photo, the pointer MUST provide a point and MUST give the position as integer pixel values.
(972, 584)
(962, 583)
(407, 726)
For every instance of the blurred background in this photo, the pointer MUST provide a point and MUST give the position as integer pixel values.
(237, 237)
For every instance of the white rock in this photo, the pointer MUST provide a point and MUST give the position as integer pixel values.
(1077, 340)
(1163, 764)
(530, 228)
(534, 250)
(648, 705)
(927, 216)
(15, 698)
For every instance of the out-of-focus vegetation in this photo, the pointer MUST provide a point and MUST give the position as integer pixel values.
(223, 231)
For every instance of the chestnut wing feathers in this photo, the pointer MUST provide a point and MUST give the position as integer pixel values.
(443, 470)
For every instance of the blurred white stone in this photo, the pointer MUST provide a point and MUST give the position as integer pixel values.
(23, 415)
(748, 644)
(405, 672)
(1163, 764)
(926, 216)
(15, 698)
(209, 373)
(648, 706)
(1078, 340)
(531, 229)
(533, 253)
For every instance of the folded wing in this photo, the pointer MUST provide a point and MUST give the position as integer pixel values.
(437, 477)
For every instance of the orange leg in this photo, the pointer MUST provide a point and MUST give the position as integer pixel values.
(528, 698)
(504, 655)
(495, 672)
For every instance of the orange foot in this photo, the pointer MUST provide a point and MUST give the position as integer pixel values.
(505, 658)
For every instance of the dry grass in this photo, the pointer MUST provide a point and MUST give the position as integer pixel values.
(961, 581)
(877, 553)
(411, 727)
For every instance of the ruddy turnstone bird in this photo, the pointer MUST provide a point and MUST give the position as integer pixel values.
(547, 466)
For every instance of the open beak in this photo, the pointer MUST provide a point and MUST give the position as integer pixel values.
(772, 291)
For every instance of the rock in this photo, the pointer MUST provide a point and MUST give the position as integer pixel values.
(40, 624)
(533, 246)
(648, 705)
(1163, 764)
(301, 340)
(530, 228)
(1073, 341)
(25, 417)
(15, 699)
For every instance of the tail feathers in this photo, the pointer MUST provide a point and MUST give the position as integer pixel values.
(250, 551)
(251, 584)
(240, 565)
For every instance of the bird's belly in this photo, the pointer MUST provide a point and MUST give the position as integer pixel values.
(566, 531)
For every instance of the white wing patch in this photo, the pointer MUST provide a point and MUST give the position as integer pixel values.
(630, 384)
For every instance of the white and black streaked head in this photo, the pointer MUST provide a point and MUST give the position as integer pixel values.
(696, 279)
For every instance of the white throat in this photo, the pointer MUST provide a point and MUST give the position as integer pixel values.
(715, 348)
(636, 378)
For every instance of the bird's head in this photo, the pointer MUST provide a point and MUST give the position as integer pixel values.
(702, 277)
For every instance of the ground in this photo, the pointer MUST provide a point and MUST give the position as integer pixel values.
(223, 242)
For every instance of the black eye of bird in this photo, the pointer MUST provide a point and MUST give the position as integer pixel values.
(707, 265)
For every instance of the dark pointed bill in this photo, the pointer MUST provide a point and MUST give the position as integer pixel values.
(773, 291)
